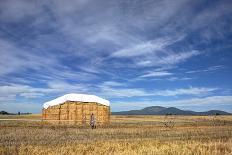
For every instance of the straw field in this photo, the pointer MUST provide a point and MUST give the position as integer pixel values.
(207, 135)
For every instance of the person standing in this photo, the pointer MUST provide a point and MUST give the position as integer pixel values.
(92, 121)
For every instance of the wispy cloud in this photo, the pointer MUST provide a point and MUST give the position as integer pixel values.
(11, 91)
(109, 89)
(32, 95)
(22, 59)
(167, 58)
(186, 91)
(113, 84)
(110, 92)
(179, 78)
(209, 69)
(145, 48)
(122, 92)
(155, 74)
(155, 53)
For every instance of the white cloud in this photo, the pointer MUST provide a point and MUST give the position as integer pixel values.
(46, 66)
(166, 59)
(110, 92)
(212, 14)
(178, 78)
(209, 69)
(15, 11)
(32, 95)
(186, 91)
(11, 91)
(64, 87)
(15, 59)
(143, 48)
(113, 84)
(155, 74)
(121, 92)
(207, 100)
(7, 98)
(108, 89)
(178, 57)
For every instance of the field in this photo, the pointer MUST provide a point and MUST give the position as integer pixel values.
(161, 135)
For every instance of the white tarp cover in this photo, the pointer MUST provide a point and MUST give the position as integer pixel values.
(76, 97)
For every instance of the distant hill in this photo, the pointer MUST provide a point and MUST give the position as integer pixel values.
(158, 110)
(19, 113)
(4, 113)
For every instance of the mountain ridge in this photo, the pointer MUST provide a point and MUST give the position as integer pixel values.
(159, 110)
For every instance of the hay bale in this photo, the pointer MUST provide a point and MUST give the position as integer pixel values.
(78, 112)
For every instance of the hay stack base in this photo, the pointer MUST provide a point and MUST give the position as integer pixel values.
(77, 112)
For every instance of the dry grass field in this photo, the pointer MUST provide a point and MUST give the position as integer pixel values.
(159, 135)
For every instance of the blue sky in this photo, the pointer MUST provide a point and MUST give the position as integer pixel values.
(134, 53)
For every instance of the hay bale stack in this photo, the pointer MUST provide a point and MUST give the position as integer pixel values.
(75, 108)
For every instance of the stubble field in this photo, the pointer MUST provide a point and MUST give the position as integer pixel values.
(161, 135)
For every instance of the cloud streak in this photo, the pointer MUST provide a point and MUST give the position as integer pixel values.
(209, 69)
(156, 74)
(144, 48)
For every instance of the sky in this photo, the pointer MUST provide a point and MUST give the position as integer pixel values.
(134, 53)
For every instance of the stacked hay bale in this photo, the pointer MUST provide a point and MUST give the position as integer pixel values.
(77, 108)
